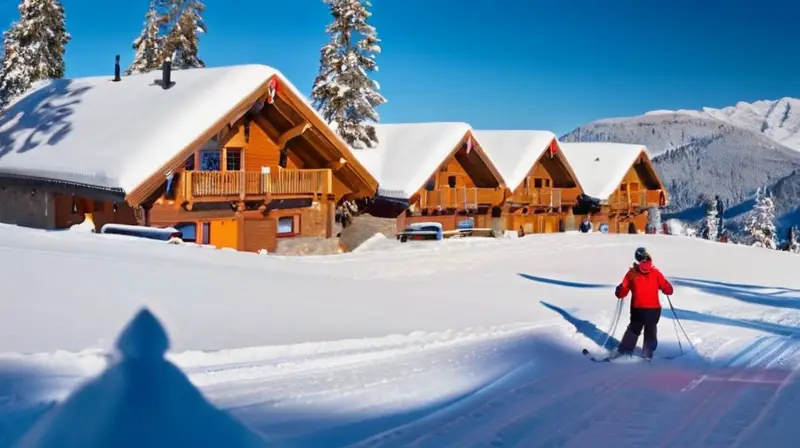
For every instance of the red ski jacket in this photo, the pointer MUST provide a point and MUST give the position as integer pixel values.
(644, 280)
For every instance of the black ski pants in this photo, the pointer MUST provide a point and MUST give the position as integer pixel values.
(641, 318)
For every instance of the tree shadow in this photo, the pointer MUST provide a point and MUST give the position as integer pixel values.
(569, 284)
(585, 328)
(777, 329)
(41, 117)
(742, 292)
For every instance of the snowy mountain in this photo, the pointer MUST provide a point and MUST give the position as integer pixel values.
(777, 119)
(461, 342)
(699, 156)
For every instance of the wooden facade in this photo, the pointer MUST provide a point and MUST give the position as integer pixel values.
(466, 183)
(544, 198)
(275, 172)
(628, 207)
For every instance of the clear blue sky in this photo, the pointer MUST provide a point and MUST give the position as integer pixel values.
(498, 64)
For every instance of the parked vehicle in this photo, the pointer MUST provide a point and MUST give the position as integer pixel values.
(168, 234)
(421, 231)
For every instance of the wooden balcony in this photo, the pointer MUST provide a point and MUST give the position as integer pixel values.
(635, 200)
(538, 197)
(209, 186)
(461, 198)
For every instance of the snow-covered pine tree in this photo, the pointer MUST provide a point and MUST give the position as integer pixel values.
(711, 224)
(794, 241)
(149, 44)
(654, 219)
(33, 47)
(760, 225)
(183, 40)
(343, 91)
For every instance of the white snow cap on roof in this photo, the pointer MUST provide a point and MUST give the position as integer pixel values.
(117, 134)
(408, 154)
(600, 166)
(514, 152)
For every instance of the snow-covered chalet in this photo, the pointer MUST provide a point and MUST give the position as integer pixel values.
(231, 156)
(620, 185)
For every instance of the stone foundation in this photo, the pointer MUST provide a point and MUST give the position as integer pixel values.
(308, 246)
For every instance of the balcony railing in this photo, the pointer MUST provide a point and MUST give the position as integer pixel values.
(244, 184)
(635, 199)
(460, 197)
(538, 197)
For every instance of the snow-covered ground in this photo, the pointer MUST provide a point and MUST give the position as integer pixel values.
(472, 342)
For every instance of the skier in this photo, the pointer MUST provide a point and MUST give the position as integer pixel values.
(643, 281)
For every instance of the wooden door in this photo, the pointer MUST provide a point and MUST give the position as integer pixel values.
(225, 233)
(260, 233)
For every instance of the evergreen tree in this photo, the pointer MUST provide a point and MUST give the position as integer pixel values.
(343, 92)
(33, 47)
(149, 46)
(184, 39)
(794, 241)
(654, 219)
(711, 224)
(760, 224)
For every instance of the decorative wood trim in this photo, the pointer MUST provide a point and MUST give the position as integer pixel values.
(296, 131)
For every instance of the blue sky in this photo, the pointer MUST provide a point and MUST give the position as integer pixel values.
(500, 64)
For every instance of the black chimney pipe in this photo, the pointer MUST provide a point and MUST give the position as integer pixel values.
(166, 74)
(116, 70)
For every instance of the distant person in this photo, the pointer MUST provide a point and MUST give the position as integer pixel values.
(643, 281)
(585, 226)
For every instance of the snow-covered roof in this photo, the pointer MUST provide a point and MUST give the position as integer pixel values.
(115, 135)
(601, 166)
(514, 152)
(407, 154)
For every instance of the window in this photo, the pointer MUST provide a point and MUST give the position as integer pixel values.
(547, 183)
(234, 160)
(537, 183)
(289, 225)
(209, 160)
(451, 181)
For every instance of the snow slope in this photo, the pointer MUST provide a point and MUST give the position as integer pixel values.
(462, 342)
(777, 119)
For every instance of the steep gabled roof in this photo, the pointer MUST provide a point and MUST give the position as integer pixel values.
(123, 136)
(408, 154)
(601, 166)
(514, 152)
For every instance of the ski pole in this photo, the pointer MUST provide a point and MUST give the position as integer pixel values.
(614, 323)
(678, 322)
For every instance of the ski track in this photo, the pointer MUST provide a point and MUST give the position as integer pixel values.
(750, 395)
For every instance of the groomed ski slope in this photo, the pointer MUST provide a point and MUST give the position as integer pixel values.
(457, 343)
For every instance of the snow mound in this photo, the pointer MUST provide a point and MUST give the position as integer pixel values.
(370, 242)
(142, 400)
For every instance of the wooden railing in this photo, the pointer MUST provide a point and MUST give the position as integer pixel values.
(243, 184)
(635, 199)
(538, 197)
(460, 197)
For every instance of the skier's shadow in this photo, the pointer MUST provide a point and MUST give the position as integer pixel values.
(585, 328)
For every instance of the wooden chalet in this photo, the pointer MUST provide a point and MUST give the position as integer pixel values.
(620, 184)
(543, 189)
(433, 172)
(231, 156)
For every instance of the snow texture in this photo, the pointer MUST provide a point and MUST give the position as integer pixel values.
(77, 131)
(760, 223)
(711, 223)
(33, 48)
(407, 154)
(514, 152)
(601, 166)
(399, 367)
(343, 91)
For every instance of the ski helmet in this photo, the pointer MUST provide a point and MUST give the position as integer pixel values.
(641, 255)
